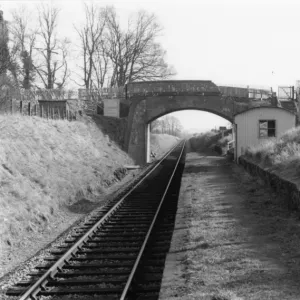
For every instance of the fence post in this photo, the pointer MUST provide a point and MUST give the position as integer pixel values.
(11, 106)
(29, 109)
(35, 109)
(21, 107)
(41, 111)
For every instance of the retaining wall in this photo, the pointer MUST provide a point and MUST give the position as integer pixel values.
(287, 189)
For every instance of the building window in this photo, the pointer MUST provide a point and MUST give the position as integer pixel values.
(267, 128)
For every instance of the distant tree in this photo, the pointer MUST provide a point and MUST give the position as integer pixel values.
(155, 126)
(168, 125)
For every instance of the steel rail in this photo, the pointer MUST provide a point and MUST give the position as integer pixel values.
(39, 285)
(130, 278)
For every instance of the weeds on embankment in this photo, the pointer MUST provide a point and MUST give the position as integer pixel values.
(161, 143)
(281, 154)
(45, 167)
(210, 141)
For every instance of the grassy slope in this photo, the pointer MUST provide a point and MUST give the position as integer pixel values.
(281, 155)
(45, 167)
(113, 127)
(161, 143)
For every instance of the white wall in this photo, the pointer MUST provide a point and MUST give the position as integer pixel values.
(248, 128)
(147, 141)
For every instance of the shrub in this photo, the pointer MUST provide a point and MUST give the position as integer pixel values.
(275, 152)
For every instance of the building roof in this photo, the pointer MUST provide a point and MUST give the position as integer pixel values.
(265, 107)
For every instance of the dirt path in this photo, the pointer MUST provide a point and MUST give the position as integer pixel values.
(233, 238)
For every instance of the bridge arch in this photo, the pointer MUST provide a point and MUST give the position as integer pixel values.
(150, 100)
(150, 120)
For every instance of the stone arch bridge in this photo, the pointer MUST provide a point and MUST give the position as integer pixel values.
(151, 100)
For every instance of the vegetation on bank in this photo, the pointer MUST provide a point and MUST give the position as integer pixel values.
(46, 166)
(281, 154)
(211, 142)
(161, 143)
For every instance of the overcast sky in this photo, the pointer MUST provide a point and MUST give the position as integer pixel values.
(238, 42)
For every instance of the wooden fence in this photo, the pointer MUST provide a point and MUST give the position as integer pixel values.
(38, 109)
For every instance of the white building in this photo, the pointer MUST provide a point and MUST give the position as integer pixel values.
(260, 123)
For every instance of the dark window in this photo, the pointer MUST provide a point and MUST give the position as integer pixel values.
(267, 128)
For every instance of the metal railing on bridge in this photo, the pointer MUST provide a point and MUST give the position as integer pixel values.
(246, 91)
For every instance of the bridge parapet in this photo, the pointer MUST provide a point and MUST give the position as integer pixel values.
(245, 92)
(171, 88)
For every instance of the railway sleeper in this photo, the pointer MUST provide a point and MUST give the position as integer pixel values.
(70, 282)
(59, 291)
(108, 240)
(114, 235)
(120, 231)
(124, 250)
(121, 223)
(88, 266)
(96, 249)
(95, 257)
(108, 272)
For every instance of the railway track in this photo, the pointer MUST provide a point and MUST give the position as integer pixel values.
(120, 252)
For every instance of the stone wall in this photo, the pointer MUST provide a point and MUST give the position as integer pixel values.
(287, 189)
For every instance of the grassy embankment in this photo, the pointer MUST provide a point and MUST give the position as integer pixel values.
(281, 155)
(210, 142)
(161, 143)
(46, 167)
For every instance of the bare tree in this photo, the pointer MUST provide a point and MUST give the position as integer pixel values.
(135, 54)
(167, 124)
(101, 66)
(52, 67)
(24, 37)
(113, 56)
(94, 66)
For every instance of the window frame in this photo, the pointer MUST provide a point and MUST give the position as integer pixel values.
(259, 129)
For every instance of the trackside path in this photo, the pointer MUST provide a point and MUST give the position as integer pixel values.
(233, 239)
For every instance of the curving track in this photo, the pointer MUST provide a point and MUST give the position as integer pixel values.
(119, 253)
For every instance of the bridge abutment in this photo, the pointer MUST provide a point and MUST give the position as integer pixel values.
(139, 136)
